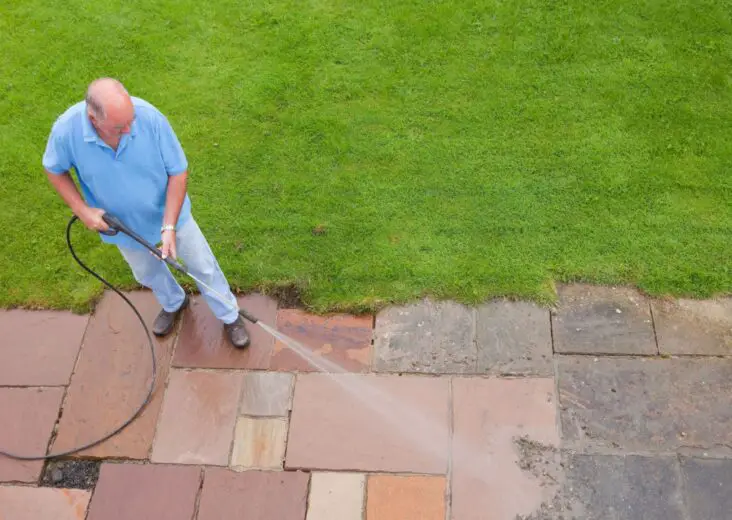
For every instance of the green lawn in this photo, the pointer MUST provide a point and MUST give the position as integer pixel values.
(461, 149)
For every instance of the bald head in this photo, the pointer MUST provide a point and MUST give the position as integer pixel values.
(106, 93)
(110, 107)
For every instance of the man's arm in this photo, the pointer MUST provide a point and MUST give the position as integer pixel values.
(175, 195)
(176, 166)
(65, 187)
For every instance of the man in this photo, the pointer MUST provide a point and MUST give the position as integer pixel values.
(130, 163)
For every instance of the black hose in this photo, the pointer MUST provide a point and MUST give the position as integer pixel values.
(152, 357)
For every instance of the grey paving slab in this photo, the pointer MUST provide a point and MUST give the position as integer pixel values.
(513, 338)
(429, 337)
(646, 403)
(601, 487)
(602, 320)
(694, 326)
(708, 488)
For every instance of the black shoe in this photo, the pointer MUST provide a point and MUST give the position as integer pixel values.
(165, 321)
(237, 333)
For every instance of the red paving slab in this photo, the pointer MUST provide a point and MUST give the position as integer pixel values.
(266, 394)
(369, 423)
(198, 418)
(145, 492)
(111, 380)
(392, 497)
(490, 417)
(30, 503)
(203, 342)
(254, 495)
(343, 342)
(39, 348)
(28, 416)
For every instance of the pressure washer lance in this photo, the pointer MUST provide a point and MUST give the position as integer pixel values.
(116, 226)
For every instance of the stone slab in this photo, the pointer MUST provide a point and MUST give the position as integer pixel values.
(145, 492)
(341, 343)
(203, 342)
(504, 446)
(336, 496)
(112, 378)
(369, 423)
(259, 443)
(266, 394)
(642, 403)
(39, 348)
(694, 327)
(30, 503)
(627, 487)
(253, 495)
(28, 416)
(603, 320)
(393, 497)
(197, 421)
(708, 487)
(514, 338)
(429, 337)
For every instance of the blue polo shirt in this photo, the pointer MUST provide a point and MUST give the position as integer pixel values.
(130, 183)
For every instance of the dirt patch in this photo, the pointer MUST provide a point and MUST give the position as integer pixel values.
(73, 474)
(562, 507)
(541, 460)
(288, 296)
(546, 464)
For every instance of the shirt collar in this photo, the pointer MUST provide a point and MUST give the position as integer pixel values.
(90, 134)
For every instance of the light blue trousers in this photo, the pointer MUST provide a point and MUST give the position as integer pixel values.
(196, 255)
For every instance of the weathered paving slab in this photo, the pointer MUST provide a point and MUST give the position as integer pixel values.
(643, 403)
(259, 443)
(708, 488)
(145, 492)
(622, 487)
(430, 337)
(28, 416)
(111, 380)
(197, 421)
(603, 320)
(336, 496)
(514, 338)
(342, 342)
(694, 327)
(266, 394)
(395, 497)
(369, 423)
(39, 348)
(203, 342)
(253, 494)
(30, 503)
(504, 431)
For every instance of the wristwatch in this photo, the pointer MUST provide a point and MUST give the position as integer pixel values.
(167, 227)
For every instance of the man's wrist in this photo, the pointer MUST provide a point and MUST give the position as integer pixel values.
(167, 227)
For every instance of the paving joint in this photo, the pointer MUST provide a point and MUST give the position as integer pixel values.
(199, 493)
(450, 435)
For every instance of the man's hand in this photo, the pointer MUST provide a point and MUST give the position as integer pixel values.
(92, 218)
(168, 246)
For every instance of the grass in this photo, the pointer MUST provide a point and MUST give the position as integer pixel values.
(462, 149)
